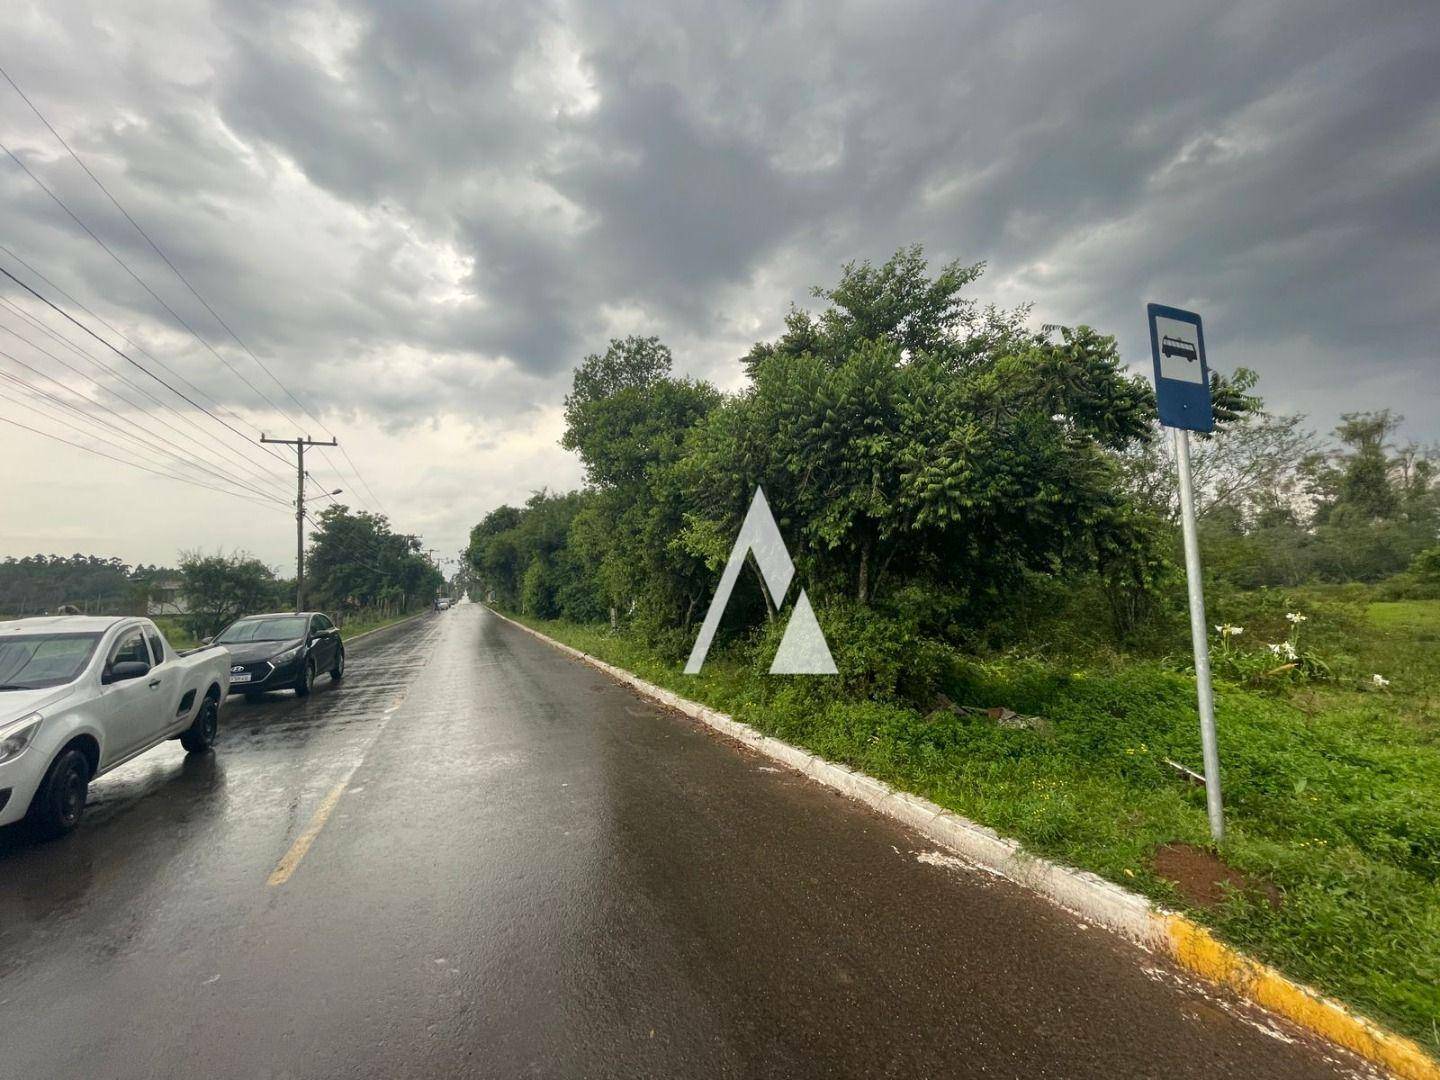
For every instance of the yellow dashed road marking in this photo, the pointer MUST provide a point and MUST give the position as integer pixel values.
(286, 866)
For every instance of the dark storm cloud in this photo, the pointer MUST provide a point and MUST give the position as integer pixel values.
(481, 190)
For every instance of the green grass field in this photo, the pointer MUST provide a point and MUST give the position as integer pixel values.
(175, 632)
(1332, 787)
(1418, 618)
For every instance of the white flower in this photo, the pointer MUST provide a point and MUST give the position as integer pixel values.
(1226, 630)
(1284, 649)
(1380, 681)
(1236, 631)
(1295, 617)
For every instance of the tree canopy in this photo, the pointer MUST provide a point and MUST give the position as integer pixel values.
(355, 561)
(217, 589)
(914, 442)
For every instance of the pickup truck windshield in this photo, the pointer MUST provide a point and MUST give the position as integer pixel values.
(35, 661)
(283, 629)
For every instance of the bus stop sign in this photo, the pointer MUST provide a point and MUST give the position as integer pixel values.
(1182, 378)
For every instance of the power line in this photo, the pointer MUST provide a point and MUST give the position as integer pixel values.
(131, 344)
(86, 429)
(363, 482)
(123, 356)
(170, 371)
(111, 457)
(211, 443)
(186, 282)
(300, 443)
(252, 469)
(323, 493)
(144, 439)
(138, 279)
(134, 346)
(350, 550)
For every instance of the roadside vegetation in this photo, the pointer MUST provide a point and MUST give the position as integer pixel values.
(984, 518)
(37, 584)
(176, 632)
(358, 570)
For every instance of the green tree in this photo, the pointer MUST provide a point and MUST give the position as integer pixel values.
(523, 558)
(494, 557)
(36, 584)
(1373, 511)
(905, 434)
(1426, 566)
(629, 419)
(356, 561)
(909, 439)
(217, 589)
(1354, 485)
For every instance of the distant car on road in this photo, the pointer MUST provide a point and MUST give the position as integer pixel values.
(442, 603)
(80, 695)
(282, 651)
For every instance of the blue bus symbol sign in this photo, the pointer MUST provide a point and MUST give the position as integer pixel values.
(1182, 378)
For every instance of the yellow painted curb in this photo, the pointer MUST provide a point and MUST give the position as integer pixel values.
(1199, 951)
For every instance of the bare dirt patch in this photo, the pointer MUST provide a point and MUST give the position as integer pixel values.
(1205, 880)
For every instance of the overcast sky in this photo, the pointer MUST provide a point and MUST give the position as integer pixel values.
(419, 216)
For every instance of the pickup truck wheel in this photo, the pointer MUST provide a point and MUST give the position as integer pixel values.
(60, 800)
(338, 671)
(200, 735)
(306, 682)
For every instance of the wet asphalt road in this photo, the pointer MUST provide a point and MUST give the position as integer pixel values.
(528, 871)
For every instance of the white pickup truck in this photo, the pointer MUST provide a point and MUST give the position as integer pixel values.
(80, 695)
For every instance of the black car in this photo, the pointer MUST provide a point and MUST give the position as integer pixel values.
(281, 651)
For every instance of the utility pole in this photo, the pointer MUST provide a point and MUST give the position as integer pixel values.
(435, 562)
(300, 442)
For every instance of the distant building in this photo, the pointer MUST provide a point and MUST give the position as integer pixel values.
(164, 598)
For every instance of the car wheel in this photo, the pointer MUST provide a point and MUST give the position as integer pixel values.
(60, 801)
(200, 735)
(338, 671)
(306, 682)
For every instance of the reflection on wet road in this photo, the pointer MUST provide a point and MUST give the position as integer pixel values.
(507, 865)
(168, 828)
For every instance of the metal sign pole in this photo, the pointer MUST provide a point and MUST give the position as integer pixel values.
(1200, 640)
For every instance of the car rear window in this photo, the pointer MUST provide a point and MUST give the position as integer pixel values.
(280, 628)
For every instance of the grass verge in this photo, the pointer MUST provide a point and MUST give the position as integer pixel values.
(176, 633)
(1333, 793)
